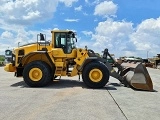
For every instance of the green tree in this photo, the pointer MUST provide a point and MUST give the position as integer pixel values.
(2, 58)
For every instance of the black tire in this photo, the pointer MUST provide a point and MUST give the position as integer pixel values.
(45, 75)
(52, 73)
(53, 78)
(95, 66)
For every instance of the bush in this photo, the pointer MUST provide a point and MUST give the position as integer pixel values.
(2, 58)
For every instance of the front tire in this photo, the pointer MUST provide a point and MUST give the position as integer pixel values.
(37, 74)
(95, 75)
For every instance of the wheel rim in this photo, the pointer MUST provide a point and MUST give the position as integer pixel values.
(35, 74)
(95, 75)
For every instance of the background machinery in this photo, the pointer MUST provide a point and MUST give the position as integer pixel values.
(40, 62)
(8, 56)
(156, 61)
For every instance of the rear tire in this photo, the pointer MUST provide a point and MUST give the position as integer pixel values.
(52, 73)
(37, 74)
(95, 75)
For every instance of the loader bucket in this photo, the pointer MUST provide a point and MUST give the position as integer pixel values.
(137, 76)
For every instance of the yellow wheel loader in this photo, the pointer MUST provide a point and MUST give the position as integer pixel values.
(40, 62)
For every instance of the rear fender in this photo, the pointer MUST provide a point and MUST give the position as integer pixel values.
(33, 56)
(37, 55)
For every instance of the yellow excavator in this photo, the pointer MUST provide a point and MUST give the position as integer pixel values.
(42, 61)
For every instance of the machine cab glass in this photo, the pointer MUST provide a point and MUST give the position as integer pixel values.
(66, 41)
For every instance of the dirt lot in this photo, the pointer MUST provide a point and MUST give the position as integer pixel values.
(69, 99)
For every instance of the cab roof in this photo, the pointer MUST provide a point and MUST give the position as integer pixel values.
(52, 31)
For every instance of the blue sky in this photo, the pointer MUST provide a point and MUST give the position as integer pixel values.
(125, 27)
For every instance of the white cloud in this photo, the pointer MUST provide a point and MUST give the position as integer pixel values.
(6, 41)
(147, 37)
(68, 3)
(96, 1)
(17, 15)
(78, 8)
(6, 35)
(122, 39)
(10, 39)
(31, 15)
(3, 47)
(106, 8)
(86, 1)
(27, 12)
(113, 35)
(24, 12)
(71, 20)
(82, 43)
(87, 33)
(85, 14)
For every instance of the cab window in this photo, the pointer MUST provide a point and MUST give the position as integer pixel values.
(62, 40)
